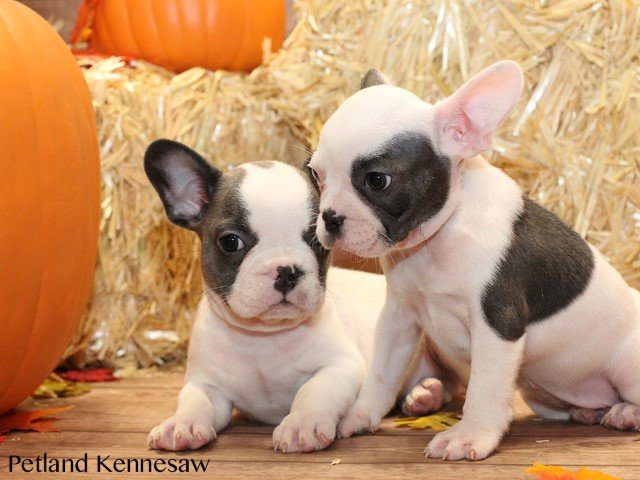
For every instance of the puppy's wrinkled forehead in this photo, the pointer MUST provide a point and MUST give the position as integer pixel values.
(368, 120)
(277, 200)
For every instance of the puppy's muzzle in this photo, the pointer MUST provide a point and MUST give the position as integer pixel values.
(287, 278)
(332, 222)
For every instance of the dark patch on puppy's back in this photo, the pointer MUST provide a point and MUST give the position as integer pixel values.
(227, 213)
(545, 268)
(419, 186)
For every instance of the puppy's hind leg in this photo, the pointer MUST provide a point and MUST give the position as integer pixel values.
(624, 373)
(550, 408)
(588, 416)
(423, 392)
(543, 404)
(426, 396)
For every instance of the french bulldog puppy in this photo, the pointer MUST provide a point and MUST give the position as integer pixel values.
(506, 293)
(265, 339)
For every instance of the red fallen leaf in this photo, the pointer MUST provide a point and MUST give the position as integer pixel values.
(2, 439)
(44, 426)
(32, 420)
(95, 375)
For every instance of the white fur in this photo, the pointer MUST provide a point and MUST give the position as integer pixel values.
(279, 213)
(299, 366)
(586, 355)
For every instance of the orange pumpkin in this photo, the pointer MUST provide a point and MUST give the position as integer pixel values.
(49, 200)
(180, 34)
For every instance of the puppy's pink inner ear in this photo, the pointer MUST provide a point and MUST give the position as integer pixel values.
(467, 119)
(187, 193)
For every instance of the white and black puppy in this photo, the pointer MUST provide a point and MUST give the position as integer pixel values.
(265, 340)
(506, 293)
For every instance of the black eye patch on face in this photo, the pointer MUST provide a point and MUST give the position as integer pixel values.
(227, 218)
(322, 256)
(201, 198)
(418, 187)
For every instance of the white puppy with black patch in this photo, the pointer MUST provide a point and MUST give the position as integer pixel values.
(265, 339)
(506, 293)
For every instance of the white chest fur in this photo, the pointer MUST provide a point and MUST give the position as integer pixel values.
(260, 373)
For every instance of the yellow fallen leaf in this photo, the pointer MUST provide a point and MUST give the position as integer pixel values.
(336, 461)
(54, 388)
(550, 472)
(437, 421)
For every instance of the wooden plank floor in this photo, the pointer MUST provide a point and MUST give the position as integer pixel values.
(114, 419)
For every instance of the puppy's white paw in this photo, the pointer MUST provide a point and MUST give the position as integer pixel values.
(464, 440)
(427, 396)
(177, 434)
(359, 419)
(308, 432)
(623, 416)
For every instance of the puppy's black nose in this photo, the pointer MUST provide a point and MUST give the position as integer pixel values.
(287, 278)
(332, 222)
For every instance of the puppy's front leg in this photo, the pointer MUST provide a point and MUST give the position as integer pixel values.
(202, 411)
(317, 407)
(487, 409)
(396, 340)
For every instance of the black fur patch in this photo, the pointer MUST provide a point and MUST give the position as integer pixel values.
(226, 214)
(545, 268)
(309, 236)
(419, 183)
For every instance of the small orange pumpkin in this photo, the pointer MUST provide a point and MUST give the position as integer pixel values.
(49, 199)
(180, 34)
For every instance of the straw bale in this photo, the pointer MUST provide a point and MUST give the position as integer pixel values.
(573, 142)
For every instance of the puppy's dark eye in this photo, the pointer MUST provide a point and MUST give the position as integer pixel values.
(378, 181)
(231, 243)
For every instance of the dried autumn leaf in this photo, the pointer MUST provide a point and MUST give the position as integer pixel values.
(550, 472)
(32, 420)
(94, 375)
(42, 426)
(437, 421)
(54, 388)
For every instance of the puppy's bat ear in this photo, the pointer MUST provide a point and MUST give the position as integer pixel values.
(467, 119)
(374, 77)
(183, 179)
